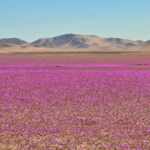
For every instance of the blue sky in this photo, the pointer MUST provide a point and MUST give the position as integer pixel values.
(31, 19)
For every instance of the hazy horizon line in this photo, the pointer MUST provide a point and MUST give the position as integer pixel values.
(82, 34)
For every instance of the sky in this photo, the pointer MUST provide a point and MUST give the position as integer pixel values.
(32, 19)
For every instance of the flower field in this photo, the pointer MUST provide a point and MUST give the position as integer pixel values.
(56, 108)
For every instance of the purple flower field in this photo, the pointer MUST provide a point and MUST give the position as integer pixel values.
(58, 108)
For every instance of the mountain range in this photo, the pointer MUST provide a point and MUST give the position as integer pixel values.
(78, 42)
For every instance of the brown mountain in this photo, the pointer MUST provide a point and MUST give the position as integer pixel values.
(88, 41)
(76, 42)
(9, 42)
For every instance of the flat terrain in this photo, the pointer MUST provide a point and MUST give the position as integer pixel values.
(77, 58)
(75, 101)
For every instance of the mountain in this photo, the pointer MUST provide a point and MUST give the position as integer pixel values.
(9, 42)
(69, 41)
(124, 42)
(88, 41)
(77, 42)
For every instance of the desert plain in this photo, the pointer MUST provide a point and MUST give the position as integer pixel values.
(75, 101)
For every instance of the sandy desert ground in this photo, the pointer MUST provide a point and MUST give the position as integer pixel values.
(72, 101)
(53, 56)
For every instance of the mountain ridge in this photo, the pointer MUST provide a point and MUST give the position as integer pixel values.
(78, 41)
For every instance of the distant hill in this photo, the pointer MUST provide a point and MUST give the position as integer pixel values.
(78, 42)
(124, 42)
(87, 41)
(8, 42)
(69, 41)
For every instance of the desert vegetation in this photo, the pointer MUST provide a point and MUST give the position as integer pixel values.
(43, 108)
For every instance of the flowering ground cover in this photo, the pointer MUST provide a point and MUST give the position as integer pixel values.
(72, 108)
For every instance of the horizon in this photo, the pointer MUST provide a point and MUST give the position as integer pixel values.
(29, 41)
(30, 20)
